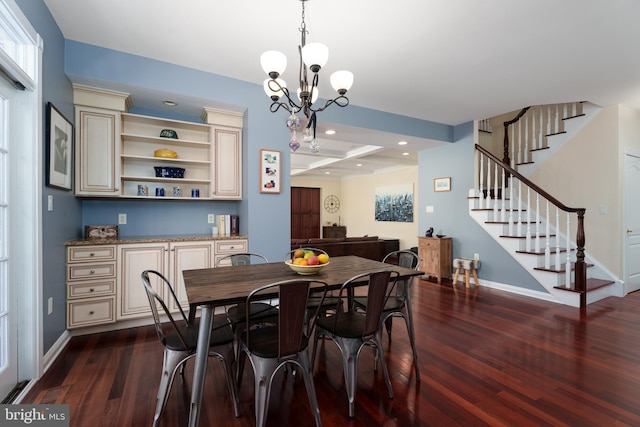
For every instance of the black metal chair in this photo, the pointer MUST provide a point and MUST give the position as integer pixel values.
(270, 348)
(351, 330)
(180, 338)
(398, 304)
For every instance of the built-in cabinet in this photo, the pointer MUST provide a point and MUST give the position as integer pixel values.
(435, 256)
(115, 151)
(91, 285)
(104, 282)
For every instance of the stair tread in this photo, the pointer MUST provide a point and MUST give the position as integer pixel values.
(592, 284)
(562, 268)
(542, 251)
(521, 237)
(573, 117)
(557, 133)
(491, 209)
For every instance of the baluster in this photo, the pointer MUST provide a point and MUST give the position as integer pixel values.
(481, 200)
(557, 263)
(534, 134)
(511, 206)
(547, 243)
(495, 192)
(565, 110)
(519, 231)
(537, 242)
(525, 154)
(568, 265)
(541, 130)
(528, 236)
(557, 118)
(513, 147)
(519, 144)
(579, 108)
(549, 120)
(503, 213)
(488, 204)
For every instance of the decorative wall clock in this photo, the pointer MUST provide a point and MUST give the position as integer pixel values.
(331, 204)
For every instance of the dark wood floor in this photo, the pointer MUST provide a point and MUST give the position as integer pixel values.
(487, 358)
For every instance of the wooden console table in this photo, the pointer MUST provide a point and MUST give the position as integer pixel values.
(334, 231)
(435, 256)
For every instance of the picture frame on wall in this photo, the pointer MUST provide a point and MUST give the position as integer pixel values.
(270, 171)
(59, 134)
(442, 184)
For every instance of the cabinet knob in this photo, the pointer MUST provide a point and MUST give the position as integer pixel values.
(92, 254)
(91, 313)
(91, 289)
(92, 272)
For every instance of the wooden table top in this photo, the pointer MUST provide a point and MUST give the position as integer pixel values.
(232, 285)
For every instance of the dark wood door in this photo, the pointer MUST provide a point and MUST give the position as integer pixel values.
(305, 213)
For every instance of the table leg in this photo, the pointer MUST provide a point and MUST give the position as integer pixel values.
(200, 369)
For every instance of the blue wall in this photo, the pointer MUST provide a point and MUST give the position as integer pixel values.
(451, 210)
(61, 224)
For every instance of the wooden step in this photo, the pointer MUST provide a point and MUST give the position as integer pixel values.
(592, 284)
(553, 251)
(562, 268)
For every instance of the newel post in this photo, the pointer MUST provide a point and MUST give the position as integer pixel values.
(581, 270)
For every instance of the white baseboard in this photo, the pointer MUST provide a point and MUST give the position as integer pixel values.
(520, 291)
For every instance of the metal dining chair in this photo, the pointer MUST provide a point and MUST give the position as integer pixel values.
(398, 304)
(270, 348)
(180, 338)
(259, 309)
(351, 330)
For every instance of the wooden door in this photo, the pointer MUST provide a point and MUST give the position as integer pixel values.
(305, 213)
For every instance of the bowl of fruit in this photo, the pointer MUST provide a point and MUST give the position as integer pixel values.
(306, 261)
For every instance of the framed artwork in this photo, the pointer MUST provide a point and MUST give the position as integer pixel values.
(442, 184)
(394, 203)
(59, 149)
(270, 171)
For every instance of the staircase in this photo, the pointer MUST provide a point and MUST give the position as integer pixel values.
(528, 222)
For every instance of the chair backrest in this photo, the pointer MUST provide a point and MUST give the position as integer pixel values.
(381, 284)
(245, 258)
(157, 303)
(293, 323)
(406, 259)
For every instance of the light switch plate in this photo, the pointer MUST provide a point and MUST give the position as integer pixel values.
(122, 218)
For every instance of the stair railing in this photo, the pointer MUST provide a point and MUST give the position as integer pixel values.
(529, 129)
(525, 222)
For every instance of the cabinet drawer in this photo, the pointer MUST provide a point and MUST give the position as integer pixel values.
(230, 246)
(429, 244)
(91, 271)
(91, 312)
(91, 289)
(91, 253)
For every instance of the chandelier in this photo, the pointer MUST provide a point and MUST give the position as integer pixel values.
(313, 57)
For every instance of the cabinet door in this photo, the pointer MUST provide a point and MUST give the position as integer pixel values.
(133, 260)
(226, 175)
(97, 152)
(187, 256)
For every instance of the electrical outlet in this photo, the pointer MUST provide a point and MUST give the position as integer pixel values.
(122, 218)
(50, 305)
(211, 218)
(49, 203)
(476, 257)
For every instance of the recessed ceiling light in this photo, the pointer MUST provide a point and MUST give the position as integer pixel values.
(359, 164)
(327, 173)
(330, 132)
(405, 154)
(402, 143)
(170, 103)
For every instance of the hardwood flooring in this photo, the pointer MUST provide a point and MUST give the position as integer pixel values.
(487, 358)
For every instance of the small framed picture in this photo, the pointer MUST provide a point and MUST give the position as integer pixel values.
(270, 171)
(59, 149)
(442, 184)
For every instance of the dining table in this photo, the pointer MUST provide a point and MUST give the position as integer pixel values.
(208, 288)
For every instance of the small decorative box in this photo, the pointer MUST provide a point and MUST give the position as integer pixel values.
(100, 232)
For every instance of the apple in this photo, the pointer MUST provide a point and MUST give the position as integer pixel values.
(313, 260)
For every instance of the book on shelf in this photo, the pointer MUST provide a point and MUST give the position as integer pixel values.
(235, 225)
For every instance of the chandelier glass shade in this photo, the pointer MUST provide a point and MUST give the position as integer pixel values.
(313, 56)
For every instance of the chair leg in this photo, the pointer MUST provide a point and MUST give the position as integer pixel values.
(388, 324)
(264, 370)
(385, 370)
(227, 357)
(350, 350)
(455, 277)
(303, 359)
(173, 360)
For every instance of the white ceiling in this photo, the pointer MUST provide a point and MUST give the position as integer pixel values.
(448, 61)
